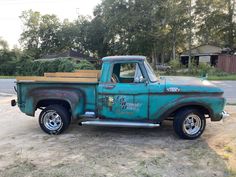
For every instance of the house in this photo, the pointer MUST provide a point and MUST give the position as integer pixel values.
(203, 53)
(70, 54)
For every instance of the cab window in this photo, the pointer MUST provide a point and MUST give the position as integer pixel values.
(127, 73)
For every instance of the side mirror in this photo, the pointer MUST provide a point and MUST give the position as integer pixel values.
(140, 79)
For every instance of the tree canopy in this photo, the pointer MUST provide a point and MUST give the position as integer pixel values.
(155, 28)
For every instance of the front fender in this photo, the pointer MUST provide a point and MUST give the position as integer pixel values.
(214, 105)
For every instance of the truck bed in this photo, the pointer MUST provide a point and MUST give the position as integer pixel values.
(82, 76)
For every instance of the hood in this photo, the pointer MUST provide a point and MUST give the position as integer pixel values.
(189, 84)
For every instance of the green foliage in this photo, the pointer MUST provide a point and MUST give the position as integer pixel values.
(154, 28)
(8, 61)
(200, 70)
(3, 44)
(85, 65)
(38, 68)
(175, 65)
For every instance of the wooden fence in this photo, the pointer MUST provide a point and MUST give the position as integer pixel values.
(227, 63)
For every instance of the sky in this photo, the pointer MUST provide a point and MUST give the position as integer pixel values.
(10, 10)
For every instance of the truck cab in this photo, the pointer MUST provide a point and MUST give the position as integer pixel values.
(125, 93)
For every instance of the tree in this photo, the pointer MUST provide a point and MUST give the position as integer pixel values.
(154, 28)
(67, 36)
(48, 34)
(215, 22)
(30, 37)
(3, 44)
(42, 34)
(231, 27)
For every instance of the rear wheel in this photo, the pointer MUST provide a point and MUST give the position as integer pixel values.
(54, 119)
(189, 123)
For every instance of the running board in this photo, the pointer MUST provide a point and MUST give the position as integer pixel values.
(119, 124)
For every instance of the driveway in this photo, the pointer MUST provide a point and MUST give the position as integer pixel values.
(7, 86)
(84, 151)
(229, 88)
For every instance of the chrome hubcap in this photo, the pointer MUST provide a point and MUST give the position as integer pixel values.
(192, 124)
(52, 120)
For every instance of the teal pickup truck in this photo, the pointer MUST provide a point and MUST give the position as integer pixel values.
(125, 93)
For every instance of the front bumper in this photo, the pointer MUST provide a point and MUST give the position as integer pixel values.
(224, 115)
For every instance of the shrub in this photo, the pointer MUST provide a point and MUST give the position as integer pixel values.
(8, 68)
(175, 64)
(38, 68)
(84, 64)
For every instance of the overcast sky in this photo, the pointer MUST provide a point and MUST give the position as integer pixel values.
(10, 10)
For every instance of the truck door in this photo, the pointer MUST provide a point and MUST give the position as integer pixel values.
(125, 94)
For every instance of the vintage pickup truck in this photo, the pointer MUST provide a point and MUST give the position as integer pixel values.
(125, 93)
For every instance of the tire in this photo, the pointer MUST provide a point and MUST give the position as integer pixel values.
(189, 123)
(54, 119)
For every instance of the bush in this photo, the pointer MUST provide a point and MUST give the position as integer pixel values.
(175, 64)
(204, 69)
(38, 68)
(200, 70)
(8, 68)
(24, 65)
(84, 64)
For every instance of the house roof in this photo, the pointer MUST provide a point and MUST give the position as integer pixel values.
(124, 57)
(68, 54)
(203, 50)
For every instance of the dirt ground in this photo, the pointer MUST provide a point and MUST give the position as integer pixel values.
(97, 151)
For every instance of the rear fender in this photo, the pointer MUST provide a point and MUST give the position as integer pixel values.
(74, 97)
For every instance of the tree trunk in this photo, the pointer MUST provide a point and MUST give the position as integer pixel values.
(154, 57)
(174, 46)
(162, 57)
(190, 34)
(231, 8)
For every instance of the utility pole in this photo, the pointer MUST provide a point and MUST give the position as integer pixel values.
(77, 11)
(190, 34)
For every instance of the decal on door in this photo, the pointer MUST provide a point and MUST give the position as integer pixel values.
(123, 103)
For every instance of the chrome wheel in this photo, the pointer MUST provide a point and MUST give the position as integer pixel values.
(52, 120)
(192, 124)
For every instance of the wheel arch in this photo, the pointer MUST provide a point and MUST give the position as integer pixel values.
(172, 112)
(50, 101)
(70, 98)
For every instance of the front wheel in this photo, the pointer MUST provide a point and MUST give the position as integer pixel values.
(189, 123)
(54, 119)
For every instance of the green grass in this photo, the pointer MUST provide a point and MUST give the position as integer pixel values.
(7, 77)
(227, 77)
(210, 77)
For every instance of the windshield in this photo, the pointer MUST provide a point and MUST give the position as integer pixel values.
(150, 72)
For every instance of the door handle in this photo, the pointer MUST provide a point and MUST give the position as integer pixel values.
(109, 86)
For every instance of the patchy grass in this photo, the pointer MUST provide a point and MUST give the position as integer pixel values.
(227, 77)
(19, 168)
(7, 77)
(216, 75)
(225, 157)
(231, 172)
(231, 104)
(228, 149)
